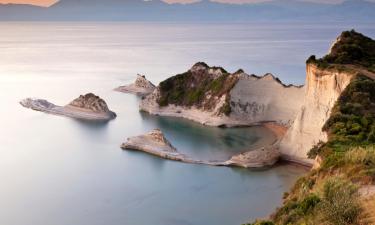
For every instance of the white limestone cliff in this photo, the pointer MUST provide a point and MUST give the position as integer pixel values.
(322, 89)
(259, 99)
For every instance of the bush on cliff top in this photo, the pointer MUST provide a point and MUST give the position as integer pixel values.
(351, 48)
(192, 89)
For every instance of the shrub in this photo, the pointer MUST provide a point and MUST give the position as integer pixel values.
(262, 222)
(308, 203)
(340, 203)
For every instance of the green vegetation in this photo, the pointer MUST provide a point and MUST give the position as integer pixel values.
(352, 121)
(336, 202)
(349, 154)
(199, 89)
(351, 48)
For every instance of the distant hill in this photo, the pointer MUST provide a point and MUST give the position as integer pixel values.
(157, 10)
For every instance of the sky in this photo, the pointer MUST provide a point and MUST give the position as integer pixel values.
(49, 2)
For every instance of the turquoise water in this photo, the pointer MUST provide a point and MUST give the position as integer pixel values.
(60, 171)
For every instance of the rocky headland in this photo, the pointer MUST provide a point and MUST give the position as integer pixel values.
(87, 107)
(215, 97)
(141, 87)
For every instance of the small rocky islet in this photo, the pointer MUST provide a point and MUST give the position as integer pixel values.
(141, 86)
(85, 107)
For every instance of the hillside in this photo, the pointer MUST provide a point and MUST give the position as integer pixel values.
(340, 188)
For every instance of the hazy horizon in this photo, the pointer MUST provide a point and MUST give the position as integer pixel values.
(51, 2)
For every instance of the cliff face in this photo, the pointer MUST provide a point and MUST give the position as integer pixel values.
(257, 99)
(323, 87)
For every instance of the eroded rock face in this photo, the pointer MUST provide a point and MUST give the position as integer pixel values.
(258, 99)
(141, 86)
(91, 102)
(323, 87)
(142, 82)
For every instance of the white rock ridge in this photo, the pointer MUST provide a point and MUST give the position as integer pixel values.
(323, 87)
(259, 99)
(141, 87)
(253, 100)
(87, 107)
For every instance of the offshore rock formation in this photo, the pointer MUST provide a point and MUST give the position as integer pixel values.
(212, 96)
(88, 107)
(141, 87)
(156, 144)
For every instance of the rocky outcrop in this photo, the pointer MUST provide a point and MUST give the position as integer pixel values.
(88, 107)
(156, 144)
(263, 157)
(228, 99)
(322, 89)
(141, 87)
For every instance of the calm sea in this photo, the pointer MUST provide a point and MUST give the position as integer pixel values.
(60, 171)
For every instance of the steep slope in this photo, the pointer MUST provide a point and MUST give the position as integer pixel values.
(323, 87)
(326, 78)
(341, 185)
(212, 96)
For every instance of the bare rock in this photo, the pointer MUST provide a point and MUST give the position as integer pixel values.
(141, 87)
(87, 107)
(266, 156)
(154, 143)
(90, 102)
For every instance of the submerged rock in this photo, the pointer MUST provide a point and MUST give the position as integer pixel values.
(141, 87)
(88, 107)
(263, 157)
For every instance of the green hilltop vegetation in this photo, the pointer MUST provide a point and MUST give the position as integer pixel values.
(329, 194)
(198, 88)
(351, 48)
